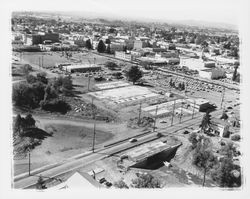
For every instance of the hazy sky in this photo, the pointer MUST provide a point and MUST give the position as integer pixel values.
(208, 10)
(226, 11)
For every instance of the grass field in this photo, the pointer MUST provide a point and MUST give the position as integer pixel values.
(68, 140)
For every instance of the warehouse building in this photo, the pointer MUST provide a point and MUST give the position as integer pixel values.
(81, 68)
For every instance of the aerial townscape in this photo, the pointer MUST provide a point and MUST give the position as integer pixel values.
(112, 103)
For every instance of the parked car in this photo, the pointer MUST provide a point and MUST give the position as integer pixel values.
(102, 180)
(108, 184)
(132, 140)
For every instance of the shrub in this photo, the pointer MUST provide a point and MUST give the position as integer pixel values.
(193, 139)
(235, 137)
(56, 105)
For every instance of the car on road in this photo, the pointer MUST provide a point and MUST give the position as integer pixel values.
(158, 134)
(186, 132)
(132, 140)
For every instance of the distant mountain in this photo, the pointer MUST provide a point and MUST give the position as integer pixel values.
(95, 17)
(205, 24)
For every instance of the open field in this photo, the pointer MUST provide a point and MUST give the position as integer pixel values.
(67, 140)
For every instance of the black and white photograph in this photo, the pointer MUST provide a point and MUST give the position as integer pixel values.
(126, 95)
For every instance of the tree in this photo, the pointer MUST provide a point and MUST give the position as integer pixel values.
(183, 86)
(88, 44)
(235, 72)
(111, 65)
(206, 122)
(146, 181)
(171, 82)
(180, 86)
(133, 74)
(42, 77)
(31, 79)
(228, 150)
(121, 184)
(50, 92)
(40, 183)
(203, 157)
(107, 41)
(67, 82)
(193, 138)
(30, 121)
(228, 174)
(224, 116)
(108, 49)
(26, 69)
(29, 96)
(101, 47)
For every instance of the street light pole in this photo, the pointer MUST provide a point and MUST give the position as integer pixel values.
(93, 144)
(156, 109)
(222, 98)
(173, 114)
(139, 118)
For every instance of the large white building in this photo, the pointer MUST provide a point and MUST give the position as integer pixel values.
(123, 55)
(81, 68)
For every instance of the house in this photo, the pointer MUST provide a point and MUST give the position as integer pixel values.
(123, 55)
(78, 181)
(220, 127)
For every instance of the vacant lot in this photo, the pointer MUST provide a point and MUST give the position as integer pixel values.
(67, 140)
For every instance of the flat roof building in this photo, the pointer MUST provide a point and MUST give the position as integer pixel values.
(81, 68)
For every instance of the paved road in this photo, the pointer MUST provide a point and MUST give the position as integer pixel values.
(77, 163)
(102, 153)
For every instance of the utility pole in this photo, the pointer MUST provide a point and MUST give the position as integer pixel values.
(172, 119)
(139, 117)
(29, 162)
(156, 109)
(39, 61)
(93, 144)
(42, 61)
(193, 109)
(92, 107)
(222, 98)
(181, 111)
(88, 81)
